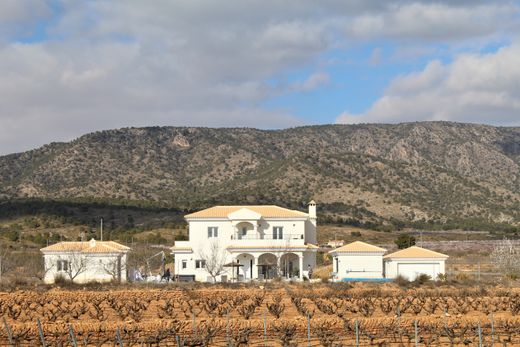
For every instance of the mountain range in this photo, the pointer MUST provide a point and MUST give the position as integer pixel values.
(429, 173)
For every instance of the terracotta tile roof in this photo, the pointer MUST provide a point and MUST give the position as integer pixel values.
(415, 252)
(359, 247)
(91, 246)
(267, 211)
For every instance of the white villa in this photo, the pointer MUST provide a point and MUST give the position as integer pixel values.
(83, 262)
(255, 242)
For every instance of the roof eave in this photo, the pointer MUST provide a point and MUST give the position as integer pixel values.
(415, 258)
(357, 252)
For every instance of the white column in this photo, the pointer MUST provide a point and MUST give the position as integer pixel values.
(301, 266)
(279, 266)
(256, 268)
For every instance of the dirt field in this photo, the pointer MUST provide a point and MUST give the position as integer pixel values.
(316, 315)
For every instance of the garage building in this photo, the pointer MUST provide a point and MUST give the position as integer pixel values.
(358, 261)
(414, 261)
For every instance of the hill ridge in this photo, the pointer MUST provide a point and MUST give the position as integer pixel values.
(433, 172)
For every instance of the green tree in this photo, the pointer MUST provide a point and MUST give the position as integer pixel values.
(404, 241)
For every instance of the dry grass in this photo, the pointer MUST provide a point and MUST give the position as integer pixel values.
(322, 272)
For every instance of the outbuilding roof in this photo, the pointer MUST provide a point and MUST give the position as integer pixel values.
(415, 252)
(358, 247)
(266, 211)
(91, 246)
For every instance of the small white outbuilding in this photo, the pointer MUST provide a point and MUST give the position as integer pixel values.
(83, 262)
(414, 261)
(358, 261)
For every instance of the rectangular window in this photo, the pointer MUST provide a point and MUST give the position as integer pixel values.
(62, 265)
(200, 264)
(212, 232)
(277, 233)
(184, 264)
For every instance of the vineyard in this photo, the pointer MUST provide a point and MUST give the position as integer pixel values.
(291, 316)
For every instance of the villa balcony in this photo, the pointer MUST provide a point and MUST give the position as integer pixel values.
(285, 237)
(258, 239)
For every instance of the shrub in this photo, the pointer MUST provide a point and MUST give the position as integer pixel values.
(61, 280)
(401, 281)
(405, 241)
(422, 279)
(442, 277)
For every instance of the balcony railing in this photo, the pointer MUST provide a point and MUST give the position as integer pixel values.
(267, 237)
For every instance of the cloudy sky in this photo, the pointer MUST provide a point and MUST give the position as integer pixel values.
(69, 67)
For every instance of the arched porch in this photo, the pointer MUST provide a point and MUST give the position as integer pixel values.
(267, 266)
(290, 265)
(246, 271)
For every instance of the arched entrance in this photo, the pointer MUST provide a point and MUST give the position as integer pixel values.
(290, 265)
(246, 271)
(267, 266)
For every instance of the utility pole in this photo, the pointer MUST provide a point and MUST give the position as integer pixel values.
(101, 229)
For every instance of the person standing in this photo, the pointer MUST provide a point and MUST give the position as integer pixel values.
(309, 271)
(167, 275)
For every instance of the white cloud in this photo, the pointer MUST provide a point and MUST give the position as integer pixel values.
(434, 21)
(108, 64)
(312, 82)
(17, 16)
(480, 88)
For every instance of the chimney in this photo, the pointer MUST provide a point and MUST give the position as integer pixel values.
(312, 209)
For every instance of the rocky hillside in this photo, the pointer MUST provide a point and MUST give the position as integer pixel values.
(434, 172)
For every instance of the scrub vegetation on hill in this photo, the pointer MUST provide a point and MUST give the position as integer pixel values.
(433, 175)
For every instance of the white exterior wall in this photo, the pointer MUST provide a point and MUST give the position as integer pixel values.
(310, 231)
(296, 232)
(309, 258)
(200, 274)
(358, 265)
(244, 257)
(95, 266)
(422, 266)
